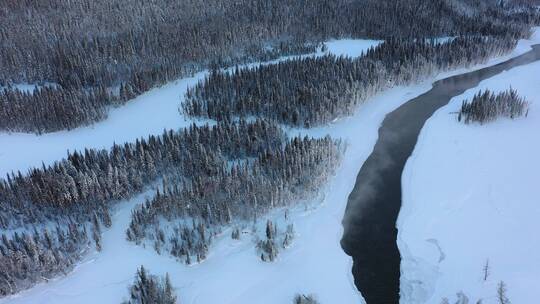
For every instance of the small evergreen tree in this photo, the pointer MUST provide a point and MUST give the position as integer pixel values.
(502, 298)
(149, 289)
(304, 299)
(96, 232)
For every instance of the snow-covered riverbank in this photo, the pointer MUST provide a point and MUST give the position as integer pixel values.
(470, 194)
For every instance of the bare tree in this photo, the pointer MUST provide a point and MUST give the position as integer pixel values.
(486, 270)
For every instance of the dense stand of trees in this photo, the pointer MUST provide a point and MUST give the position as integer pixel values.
(487, 106)
(98, 54)
(23, 111)
(313, 91)
(183, 217)
(211, 174)
(151, 289)
(87, 181)
(27, 258)
(84, 45)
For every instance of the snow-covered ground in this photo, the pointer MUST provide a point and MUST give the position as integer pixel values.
(470, 194)
(350, 47)
(233, 273)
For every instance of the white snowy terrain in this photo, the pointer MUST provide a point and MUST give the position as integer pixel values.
(350, 47)
(233, 272)
(470, 194)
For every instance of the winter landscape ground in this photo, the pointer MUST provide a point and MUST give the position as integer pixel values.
(227, 276)
(475, 189)
(220, 144)
(470, 199)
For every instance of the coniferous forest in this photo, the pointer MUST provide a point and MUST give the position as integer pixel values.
(41, 255)
(84, 57)
(100, 54)
(313, 91)
(487, 106)
(211, 175)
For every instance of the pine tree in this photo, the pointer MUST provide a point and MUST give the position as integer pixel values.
(96, 232)
(502, 298)
(269, 230)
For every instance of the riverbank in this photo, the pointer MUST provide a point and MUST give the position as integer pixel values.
(470, 196)
(374, 204)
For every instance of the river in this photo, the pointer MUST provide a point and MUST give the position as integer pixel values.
(373, 206)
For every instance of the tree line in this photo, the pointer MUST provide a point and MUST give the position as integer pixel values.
(30, 257)
(66, 109)
(89, 180)
(127, 47)
(183, 217)
(212, 175)
(314, 91)
(488, 106)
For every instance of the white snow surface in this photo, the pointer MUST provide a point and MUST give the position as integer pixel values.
(470, 194)
(232, 273)
(350, 47)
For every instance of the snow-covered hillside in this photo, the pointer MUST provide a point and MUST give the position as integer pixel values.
(470, 194)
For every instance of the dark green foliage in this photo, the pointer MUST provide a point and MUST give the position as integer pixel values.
(150, 289)
(27, 258)
(211, 175)
(304, 299)
(314, 91)
(127, 47)
(50, 109)
(282, 174)
(88, 181)
(487, 106)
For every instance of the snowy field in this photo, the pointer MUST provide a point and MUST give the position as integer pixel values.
(233, 273)
(470, 194)
(350, 47)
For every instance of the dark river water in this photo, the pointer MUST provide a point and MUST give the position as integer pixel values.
(374, 203)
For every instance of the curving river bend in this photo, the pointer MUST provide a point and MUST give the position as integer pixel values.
(374, 203)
